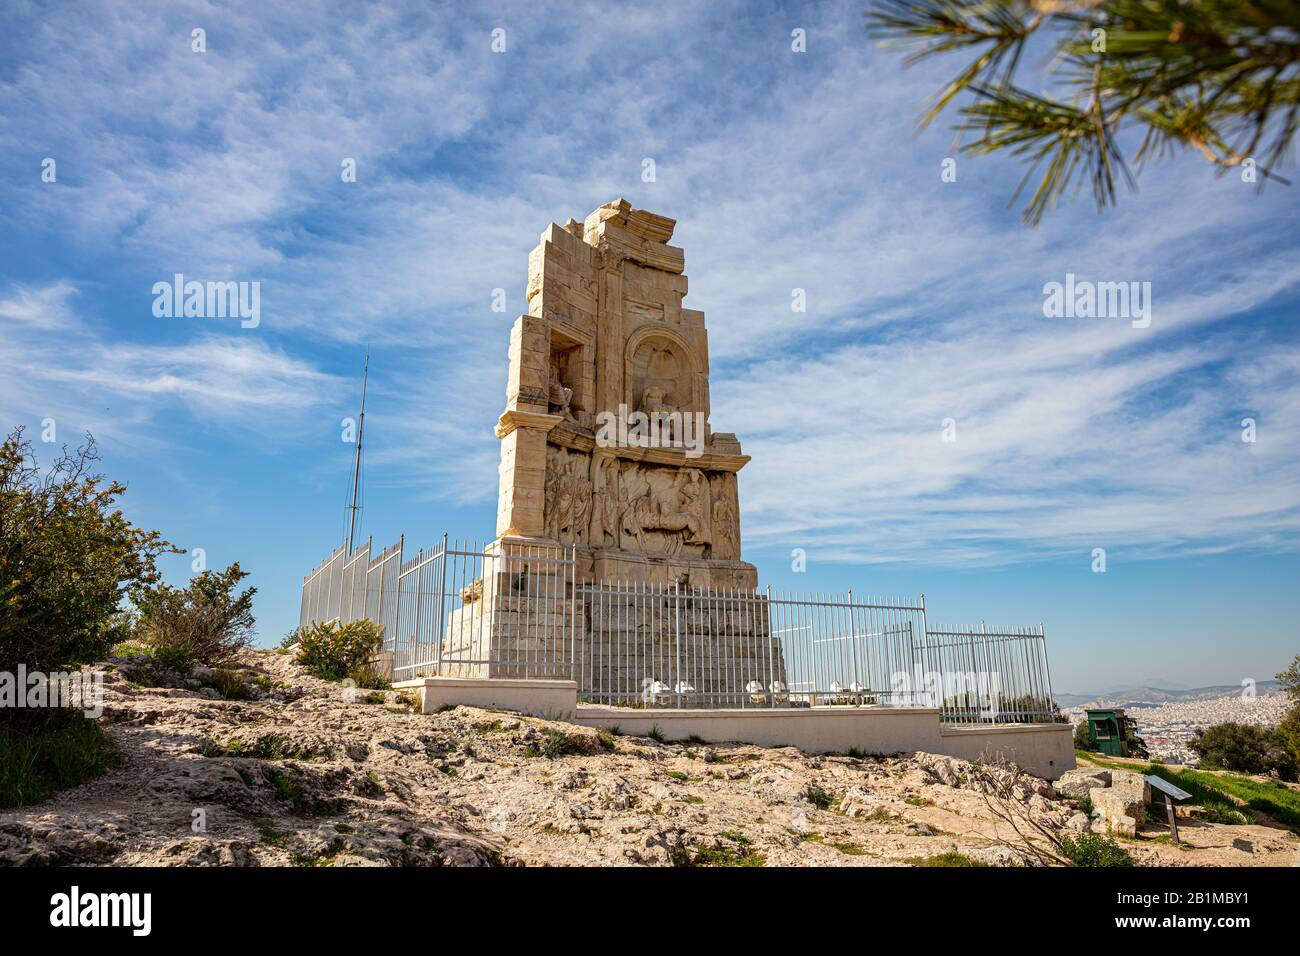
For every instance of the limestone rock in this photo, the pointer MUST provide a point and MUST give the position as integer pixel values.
(1078, 783)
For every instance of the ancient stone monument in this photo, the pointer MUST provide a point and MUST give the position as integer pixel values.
(618, 521)
(605, 441)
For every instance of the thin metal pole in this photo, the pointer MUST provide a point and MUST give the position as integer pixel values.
(356, 468)
(442, 597)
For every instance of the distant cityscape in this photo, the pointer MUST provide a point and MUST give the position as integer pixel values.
(1167, 720)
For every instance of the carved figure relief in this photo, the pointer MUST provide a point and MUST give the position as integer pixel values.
(667, 514)
(567, 496)
(726, 518)
(605, 505)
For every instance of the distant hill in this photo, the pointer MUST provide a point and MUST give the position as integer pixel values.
(1149, 696)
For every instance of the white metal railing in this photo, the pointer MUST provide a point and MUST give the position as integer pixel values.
(458, 609)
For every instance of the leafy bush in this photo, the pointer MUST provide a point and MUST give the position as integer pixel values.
(68, 556)
(206, 622)
(1244, 748)
(1290, 726)
(1082, 741)
(1290, 730)
(1093, 849)
(131, 648)
(333, 651)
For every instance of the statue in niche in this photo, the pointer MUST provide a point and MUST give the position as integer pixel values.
(658, 410)
(559, 395)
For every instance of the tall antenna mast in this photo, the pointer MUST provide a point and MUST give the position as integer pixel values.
(356, 467)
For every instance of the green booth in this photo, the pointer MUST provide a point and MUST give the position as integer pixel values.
(1111, 733)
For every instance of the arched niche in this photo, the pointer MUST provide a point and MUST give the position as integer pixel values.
(659, 358)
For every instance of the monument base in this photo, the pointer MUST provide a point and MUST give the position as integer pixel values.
(608, 565)
(539, 610)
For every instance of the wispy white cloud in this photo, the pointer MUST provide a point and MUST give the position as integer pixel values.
(785, 171)
(43, 308)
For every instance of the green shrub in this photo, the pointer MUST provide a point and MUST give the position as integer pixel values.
(818, 797)
(68, 557)
(333, 651)
(131, 648)
(1093, 849)
(42, 752)
(207, 622)
(1244, 748)
(1081, 739)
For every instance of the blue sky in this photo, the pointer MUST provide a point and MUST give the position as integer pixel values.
(784, 171)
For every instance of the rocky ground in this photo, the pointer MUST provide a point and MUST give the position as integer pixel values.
(305, 776)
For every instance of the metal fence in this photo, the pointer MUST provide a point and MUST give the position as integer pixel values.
(505, 610)
(644, 646)
(983, 675)
(346, 588)
(502, 611)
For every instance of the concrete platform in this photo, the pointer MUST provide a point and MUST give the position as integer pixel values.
(1045, 750)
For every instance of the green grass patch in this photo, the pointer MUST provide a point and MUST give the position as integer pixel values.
(229, 684)
(288, 789)
(1214, 792)
(948, 858)
(1273, 797)
(270, 747)
(850, 849)
(818, 797)
(718, 856)
(556, 743)
(43, 752)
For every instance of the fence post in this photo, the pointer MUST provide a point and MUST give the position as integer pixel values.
(677, 639)
(853, 636)
(442, 600)
(771, 652)
(1047, 670)
(925, 657)
(573, 611)
(993, 703)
